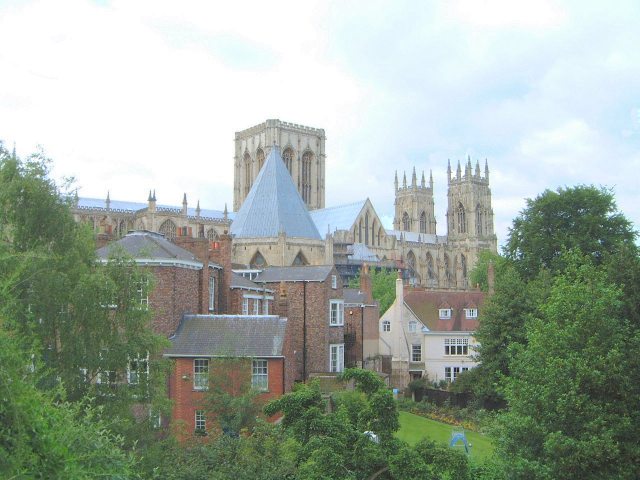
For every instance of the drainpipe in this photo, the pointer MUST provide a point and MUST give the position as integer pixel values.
(304, 331)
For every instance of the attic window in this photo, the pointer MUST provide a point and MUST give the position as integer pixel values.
(444, 313)
(471, 312)
(412, 326)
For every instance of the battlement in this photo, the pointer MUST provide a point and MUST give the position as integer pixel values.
(276, 123)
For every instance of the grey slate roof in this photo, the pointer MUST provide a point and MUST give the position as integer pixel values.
(415, 237)
(341, 217)
(228, 336)
(294, 274)
(352, 296)
(273, 205)
(144, 245)
(360, 252)
(238, 281)
(85, 203)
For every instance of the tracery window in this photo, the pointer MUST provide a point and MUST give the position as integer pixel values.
(423, 222)
(307, 159)
(431, 273)
(478, 220)
(287, 158)
(260, 158)
(447, 270)
(300, 260)
(462, 219)
(258, 261)
(212, 235)
(168, 229)
(406, 222)
(366, 228)
(248, 179)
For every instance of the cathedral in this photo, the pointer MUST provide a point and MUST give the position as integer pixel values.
(280, 218)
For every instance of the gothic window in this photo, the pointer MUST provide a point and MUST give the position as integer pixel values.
(463, 265)
(379, 235)
(462, 219)
(366, 228)
(258, 261)
(247, 173)
(423, 222)
(360, 231)
(373, 232)
(260, 158)
(122, 228)
(287, 158)
(447, 270)
(478, 220)
(212, 235)
(406, 222)
(412, 264)
(168, 229)
(140, 225)
(300, 260)
(431, 273)
(307, 159)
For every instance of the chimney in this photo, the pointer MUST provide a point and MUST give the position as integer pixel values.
(199, 247)
(365, 283)
(223, 257)
(491, 277)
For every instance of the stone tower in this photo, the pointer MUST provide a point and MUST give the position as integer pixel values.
(469, 212)
(414, 209)
(303, 152)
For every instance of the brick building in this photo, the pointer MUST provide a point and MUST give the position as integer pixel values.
(203, 340)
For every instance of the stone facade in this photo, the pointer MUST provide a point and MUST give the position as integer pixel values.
(302, 151)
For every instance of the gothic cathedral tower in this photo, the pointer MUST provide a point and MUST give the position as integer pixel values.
(414, 205)
(302, 152)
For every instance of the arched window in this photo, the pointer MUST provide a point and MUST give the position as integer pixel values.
(431, 273)
(478, 220)
(373, 232)
(258, 261)
(140, 225)
(248, 179)
(366, 228)
(212, 235)
(168, 229)
(447, 270)
(423, 222)
(300, 260)
(462, 219)
(287, 158)
(360, 231)
(413, 266)
(307, 159)
(379, 235)
(463, 267)
(122, 228)
(260, 158)
(386, 326)
(406, 222)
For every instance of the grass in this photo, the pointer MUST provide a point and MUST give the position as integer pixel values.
(413, 428)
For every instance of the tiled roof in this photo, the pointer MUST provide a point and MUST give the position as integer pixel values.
(144, 245)
(341, 217)
(238, 281)
(294, 274)
(426, 303)
(273, 205)
(228, 336)
(353, 296)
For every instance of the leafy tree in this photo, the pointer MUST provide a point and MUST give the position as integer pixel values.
(42, 437)
(574, 388)
(582, 217)
(383, 287)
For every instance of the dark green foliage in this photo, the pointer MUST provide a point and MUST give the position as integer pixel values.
(574, 389)
(383, 287)
(584, 218)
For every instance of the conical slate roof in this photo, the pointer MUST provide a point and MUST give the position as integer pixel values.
(274, 205)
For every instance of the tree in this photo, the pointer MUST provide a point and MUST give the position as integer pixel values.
(83, 322)
(383, 287)
(574, 388)
(582, 217)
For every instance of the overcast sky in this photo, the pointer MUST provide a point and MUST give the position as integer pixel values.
(128, 96)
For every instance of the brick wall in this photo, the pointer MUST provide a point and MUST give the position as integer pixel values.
(174, 294)
(186, 400)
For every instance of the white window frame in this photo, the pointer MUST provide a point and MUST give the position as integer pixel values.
(413, 326)
(451, 373)
(200, 421)
(245, 306)
(256, 306)
(212, 293)
(142, 289)
(336, 313)
(201, 374)
(471, 312)
(336, 357)
(334, 281)
(133, 375)
(260, 374)
(416, 353)
(386, 326)
(265, 306)
(458, 347)
(444, 313)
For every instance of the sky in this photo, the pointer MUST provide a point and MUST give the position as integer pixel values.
(127, 96)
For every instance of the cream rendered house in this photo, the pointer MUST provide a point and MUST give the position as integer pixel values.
(430, 333)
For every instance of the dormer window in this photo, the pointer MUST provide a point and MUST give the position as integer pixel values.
(471, 312)
(444, 313)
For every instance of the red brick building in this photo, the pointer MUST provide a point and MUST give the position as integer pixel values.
(201, 340)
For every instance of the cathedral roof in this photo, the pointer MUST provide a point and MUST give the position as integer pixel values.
(273, 205)
(341, 217)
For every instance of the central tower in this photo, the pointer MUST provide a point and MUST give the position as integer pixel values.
(303, 154)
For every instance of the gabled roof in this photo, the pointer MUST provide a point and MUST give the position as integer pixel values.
(150, 247)
(228, 336)
(341, 217)
(273, 205)
(425, 305)
(238, 281)
(313, 273)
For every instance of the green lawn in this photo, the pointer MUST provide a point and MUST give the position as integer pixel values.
(413, 428)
